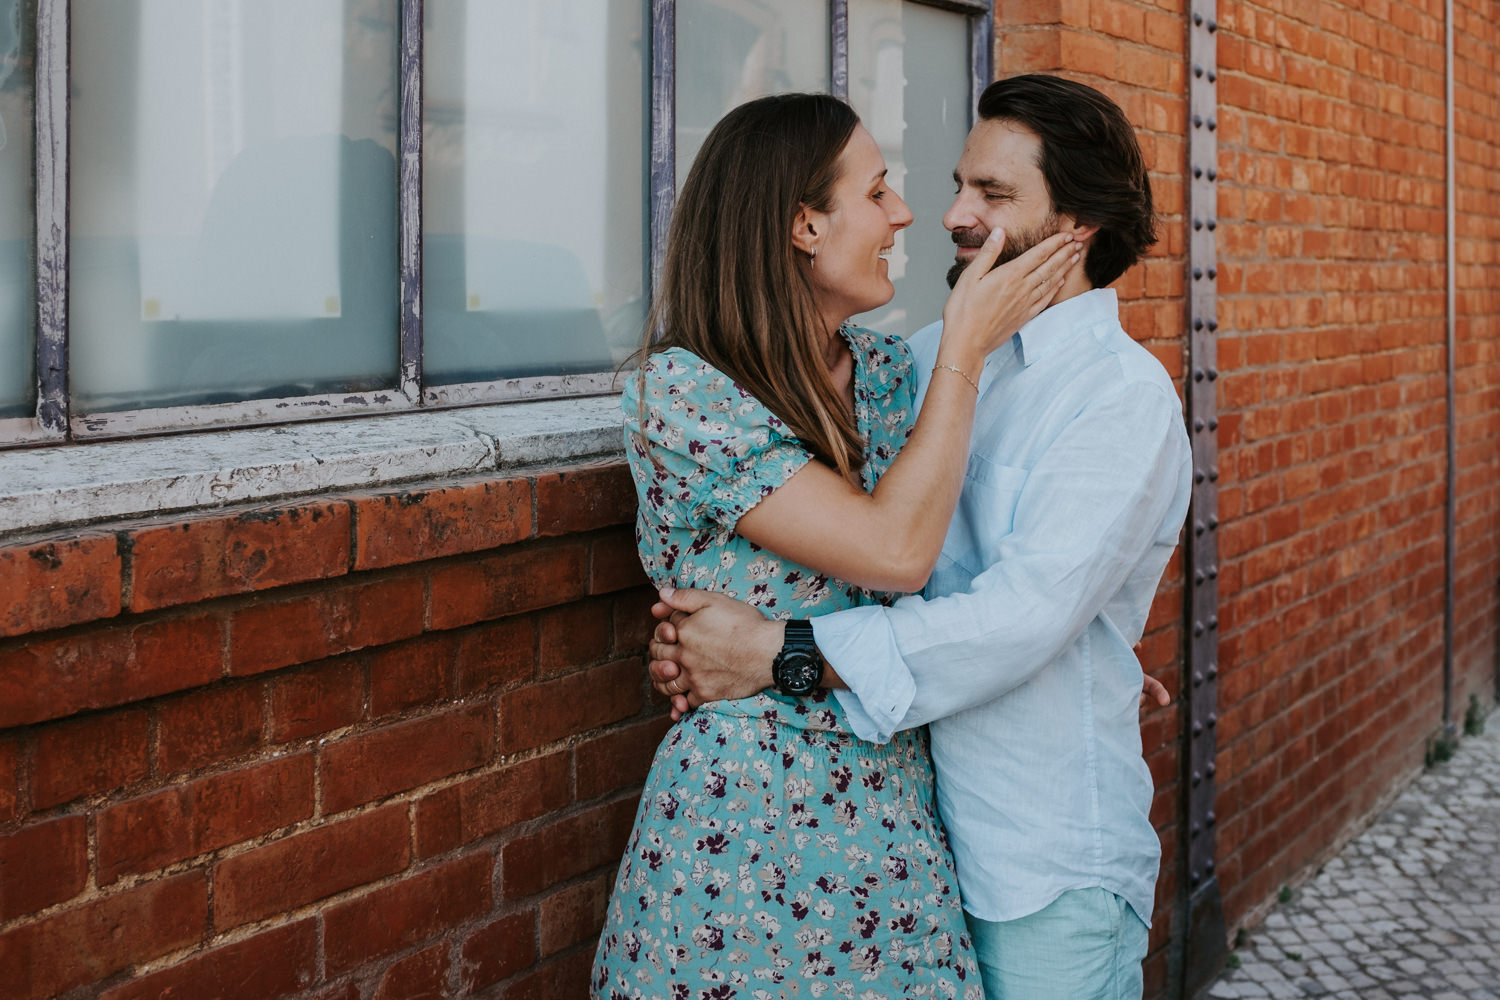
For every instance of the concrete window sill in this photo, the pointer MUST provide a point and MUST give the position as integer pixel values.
(46, 488)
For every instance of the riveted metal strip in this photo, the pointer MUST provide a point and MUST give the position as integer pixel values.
(1204, 944)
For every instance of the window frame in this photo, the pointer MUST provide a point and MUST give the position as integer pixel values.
(55, 421)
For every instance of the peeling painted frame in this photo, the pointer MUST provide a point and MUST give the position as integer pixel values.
(56, 422)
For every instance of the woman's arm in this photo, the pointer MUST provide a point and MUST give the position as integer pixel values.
(890, 539)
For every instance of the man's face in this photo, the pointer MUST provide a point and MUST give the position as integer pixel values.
(1000, 186)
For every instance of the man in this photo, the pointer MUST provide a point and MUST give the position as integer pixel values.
(1020, 653)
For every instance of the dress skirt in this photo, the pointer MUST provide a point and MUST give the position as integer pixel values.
(771, 860)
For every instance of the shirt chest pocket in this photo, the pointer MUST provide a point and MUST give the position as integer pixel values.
(985, 516)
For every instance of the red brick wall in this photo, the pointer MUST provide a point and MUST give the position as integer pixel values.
(1333, 411)
(384, 745)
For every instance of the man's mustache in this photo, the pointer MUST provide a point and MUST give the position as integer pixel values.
(970, 238)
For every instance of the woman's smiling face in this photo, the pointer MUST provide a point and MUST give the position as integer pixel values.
(850, 272)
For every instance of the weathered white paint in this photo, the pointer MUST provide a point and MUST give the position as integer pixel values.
(46, 488)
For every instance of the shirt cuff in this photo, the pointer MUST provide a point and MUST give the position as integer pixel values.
(861, 648)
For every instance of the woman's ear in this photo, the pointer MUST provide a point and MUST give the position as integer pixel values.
(805, 228)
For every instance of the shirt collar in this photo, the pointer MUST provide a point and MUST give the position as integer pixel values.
(1056, 324)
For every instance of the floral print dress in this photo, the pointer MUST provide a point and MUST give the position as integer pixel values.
(775, 854)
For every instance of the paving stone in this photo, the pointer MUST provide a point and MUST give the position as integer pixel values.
(1408, 909)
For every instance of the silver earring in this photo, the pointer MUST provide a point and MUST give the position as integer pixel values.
(812, 258)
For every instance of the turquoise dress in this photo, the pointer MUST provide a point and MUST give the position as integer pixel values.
(775, 854)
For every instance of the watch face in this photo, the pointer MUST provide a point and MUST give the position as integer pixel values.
(797, 673)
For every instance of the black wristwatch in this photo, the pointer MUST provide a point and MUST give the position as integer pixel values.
(798, 668)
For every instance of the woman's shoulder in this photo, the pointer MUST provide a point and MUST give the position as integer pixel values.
(885, 359)
(681, 402)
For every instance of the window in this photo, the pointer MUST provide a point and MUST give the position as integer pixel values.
(254, 211)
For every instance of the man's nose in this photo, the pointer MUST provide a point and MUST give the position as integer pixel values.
(960, 214)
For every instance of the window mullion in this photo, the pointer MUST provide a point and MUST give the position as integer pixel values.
(52, 216)
(838, 62)
(663, 131)
(982, 56)
(409, 183)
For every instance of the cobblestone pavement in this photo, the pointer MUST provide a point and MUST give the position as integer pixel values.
(1409, 909)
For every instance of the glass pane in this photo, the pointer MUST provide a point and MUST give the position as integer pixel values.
(733, 51)
(534, 205)
(909, 80)
(17, 211)
(233, 200)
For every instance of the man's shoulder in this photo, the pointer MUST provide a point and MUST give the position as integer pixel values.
(924, 344)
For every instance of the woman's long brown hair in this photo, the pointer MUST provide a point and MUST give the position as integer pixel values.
(733, 290)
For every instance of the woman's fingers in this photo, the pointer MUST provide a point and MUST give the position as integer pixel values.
(984, 258)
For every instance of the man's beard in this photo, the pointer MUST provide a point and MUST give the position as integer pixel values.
(1017, 242)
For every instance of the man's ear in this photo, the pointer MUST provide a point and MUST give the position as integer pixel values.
(1081, 232)
(805, 228)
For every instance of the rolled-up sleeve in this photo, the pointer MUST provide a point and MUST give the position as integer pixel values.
(1106, 490)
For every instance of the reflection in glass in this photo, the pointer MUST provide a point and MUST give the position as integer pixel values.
(733, 51)
(534, 192)
(17, 211)
(233, 200)
(909, 80)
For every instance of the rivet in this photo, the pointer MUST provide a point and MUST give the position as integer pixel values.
(1213, 373)
(1198, 19)
(1197, 527)
(1213, 671)
(1212, 173)
(1213, 272)
(1210, 819)
(1198, 71)
(1197, 729)
(1197, 374)
(1197, 423)
(1212, 225)
(1213, 25)
(1197, 171)
(1197, 678)
(1213, 572)
(1198, 476)
(1213, 324)
(1193, 877)
(1213, 425)
(1213, 720)
(1197, 779)
(1212, 124)
(1197, 628)
(1197, 324)
(1212, 76)
(1213, 622)
(1194, 830)
(1211, 769)
(1197, 121)
(1197, 223)
(1197, 273)
(1213, 523)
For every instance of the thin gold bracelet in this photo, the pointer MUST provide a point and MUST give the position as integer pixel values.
(960, 372)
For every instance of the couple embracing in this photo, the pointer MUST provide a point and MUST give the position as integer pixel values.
(792, 840)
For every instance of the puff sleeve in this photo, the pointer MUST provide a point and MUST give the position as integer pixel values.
(704, 451)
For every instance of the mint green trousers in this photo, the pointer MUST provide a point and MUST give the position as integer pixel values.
(1088, 944)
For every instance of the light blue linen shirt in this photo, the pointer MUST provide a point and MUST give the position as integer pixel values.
(1019, 653)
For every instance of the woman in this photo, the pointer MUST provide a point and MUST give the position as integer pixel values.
(774, 853)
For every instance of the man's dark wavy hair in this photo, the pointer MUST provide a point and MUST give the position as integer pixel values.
(1091, 161)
